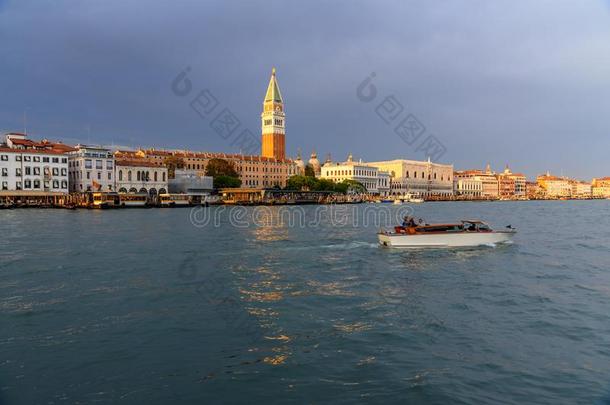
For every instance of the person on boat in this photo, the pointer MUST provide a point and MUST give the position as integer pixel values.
(408, 222)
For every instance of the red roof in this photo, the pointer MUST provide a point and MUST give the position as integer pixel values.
(136, 163)
(35, 151)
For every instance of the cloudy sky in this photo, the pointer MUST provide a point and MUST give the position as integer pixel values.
(520, 82)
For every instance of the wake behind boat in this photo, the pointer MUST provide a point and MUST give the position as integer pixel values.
(463, 234)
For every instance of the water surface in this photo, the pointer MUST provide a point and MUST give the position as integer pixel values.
(141, 306)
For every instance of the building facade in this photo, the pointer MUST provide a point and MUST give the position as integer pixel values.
(553, 186)
(581, 189)
(600, 188)
(533, 190)
(253, 171)
(486, 184)
(417, 177)
(384, 182)
(91, 168)
(511, 185)
(27, 165)
(368, 176)
(467, 185)
(140, 176)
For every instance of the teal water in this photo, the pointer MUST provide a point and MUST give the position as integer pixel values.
(143, 306)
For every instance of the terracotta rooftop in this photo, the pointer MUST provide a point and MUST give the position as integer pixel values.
(32, 151)
(136, 163)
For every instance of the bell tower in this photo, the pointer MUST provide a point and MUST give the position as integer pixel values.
(273, 122)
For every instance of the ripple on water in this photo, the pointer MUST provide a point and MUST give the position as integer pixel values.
(281, 314)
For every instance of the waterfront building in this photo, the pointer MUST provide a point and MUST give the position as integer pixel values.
(553, 186)
(91, 168)
(581, 189)
(273, 122)
(33, 166)
(600, 188)
(478, 183)
(384, 182)
(373, 180)
(417, 177)
(140, 176)
(190, 182)
(467, 184)
(511, 185)
(253, 171)
(533, 190)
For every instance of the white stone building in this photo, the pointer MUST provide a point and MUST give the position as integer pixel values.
(383, 183)
(32, 166)
(374, 180)
(417, 177)
(465, 184)
(554, 187)
(581, 189)
(140, 176)
(600, 188)
(91, 168)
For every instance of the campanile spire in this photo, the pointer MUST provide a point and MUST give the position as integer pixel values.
(273, 122)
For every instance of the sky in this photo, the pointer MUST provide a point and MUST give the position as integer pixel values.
(523, 83)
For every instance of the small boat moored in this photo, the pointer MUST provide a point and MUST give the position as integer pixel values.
(464, 234)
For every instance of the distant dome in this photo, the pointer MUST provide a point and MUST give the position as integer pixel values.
(299, 163)
(315, 163)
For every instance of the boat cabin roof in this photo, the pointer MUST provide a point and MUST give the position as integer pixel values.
(473, 221)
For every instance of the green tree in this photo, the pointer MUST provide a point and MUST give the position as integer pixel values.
(309, 172)
(173, 163)
(301, 183)
(325, 185)
(223, 172)
(220, 167)
(354, 186)
(226, 182)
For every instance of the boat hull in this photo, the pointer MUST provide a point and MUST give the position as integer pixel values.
(445, 240)
(134, 204)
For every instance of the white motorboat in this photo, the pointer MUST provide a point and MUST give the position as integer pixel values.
(463, 234)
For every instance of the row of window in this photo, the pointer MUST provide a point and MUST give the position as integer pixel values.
(35, 184)
(26, 158)
(356, 172)
(98, 155)
(79, 175)
(142, 176)
(276, 121)
(423, 175)
(194, 166)
(99, 164)
(35, 171)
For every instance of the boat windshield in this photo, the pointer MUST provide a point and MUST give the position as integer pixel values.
(476, 226)
(440, 228)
